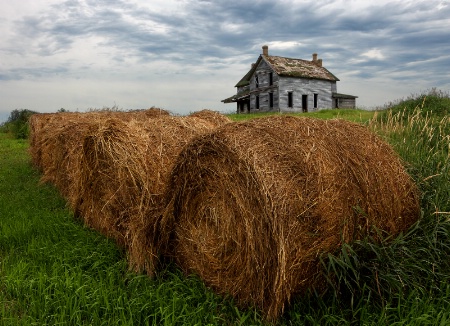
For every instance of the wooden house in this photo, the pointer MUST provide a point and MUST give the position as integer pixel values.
(288, 85)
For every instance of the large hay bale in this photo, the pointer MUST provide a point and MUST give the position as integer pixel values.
(253, 205)
(124, 170)
(56, 139)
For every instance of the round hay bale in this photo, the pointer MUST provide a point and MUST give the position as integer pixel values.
(155, 112)
(253, 205)
(60, 148)
(52, 136)
(113, 176)
(124, 171)
(37, 122)
(214, 117)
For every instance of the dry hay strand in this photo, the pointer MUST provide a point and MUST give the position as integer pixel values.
(124, 172)
(253, 205)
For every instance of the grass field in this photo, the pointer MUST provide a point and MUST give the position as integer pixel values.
(54, 271)
(351, 115)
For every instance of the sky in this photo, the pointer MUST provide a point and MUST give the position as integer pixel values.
(186, 55)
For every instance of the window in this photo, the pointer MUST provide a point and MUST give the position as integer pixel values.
(257, 102)
(290, 100)
(316, 100)
(271, 100)
(256, 81)
(271, 78)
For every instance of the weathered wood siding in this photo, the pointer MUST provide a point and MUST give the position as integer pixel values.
(345, 103)
(263, 88)
(299, 87)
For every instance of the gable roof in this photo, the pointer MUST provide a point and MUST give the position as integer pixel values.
(246, 79)
(298, 68)
(290, 67)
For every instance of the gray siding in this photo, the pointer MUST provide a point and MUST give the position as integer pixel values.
(264, 88)
(300, 87)
(345, 103)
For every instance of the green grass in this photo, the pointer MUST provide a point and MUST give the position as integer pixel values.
(348, 114)
(54, 271)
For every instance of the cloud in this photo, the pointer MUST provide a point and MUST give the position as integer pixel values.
(374, 54)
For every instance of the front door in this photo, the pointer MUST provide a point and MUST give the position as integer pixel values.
(305, 103)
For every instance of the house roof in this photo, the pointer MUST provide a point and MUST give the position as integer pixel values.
(298, 68)
(237, 97)
(246, 79)
(290, 67)
(340, 95)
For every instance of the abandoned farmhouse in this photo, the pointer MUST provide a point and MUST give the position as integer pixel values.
(288, 85)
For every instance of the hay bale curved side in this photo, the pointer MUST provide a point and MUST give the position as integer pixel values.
(125, 168)
(60, 148)
(254, 204)
(113, 180)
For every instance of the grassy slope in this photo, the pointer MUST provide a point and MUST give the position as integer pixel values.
(55, 271)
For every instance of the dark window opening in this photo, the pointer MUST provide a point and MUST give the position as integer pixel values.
(257, 102)
(316, 100)
(271, 100)
(290, 100)
(240, 106)
(305, 103)
(257, 81)
(271, 78)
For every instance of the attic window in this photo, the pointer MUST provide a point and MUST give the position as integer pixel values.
(256, 81)
(271, 78)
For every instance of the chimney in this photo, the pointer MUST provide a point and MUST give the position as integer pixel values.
(265, 49)
(314, 57)
(319, 62)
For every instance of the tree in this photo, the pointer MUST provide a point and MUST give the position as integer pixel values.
(17, 123)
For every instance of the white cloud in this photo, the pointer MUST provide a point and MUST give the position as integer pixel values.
(284, 45)
(374, 54)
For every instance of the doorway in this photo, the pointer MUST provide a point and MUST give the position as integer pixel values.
(305, 103)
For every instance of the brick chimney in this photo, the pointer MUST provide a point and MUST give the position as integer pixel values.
(265, 49)
(316, 61)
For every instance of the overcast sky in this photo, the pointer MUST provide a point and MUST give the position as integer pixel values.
(185, 55)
